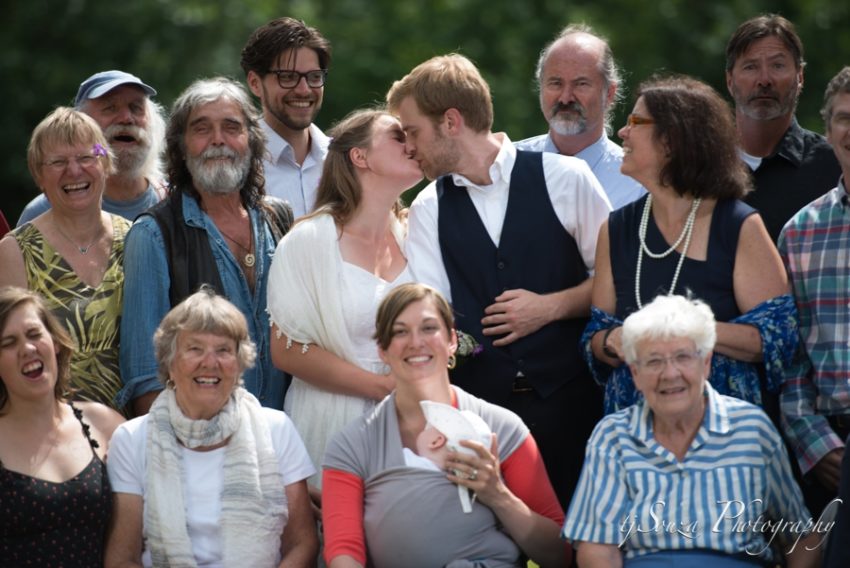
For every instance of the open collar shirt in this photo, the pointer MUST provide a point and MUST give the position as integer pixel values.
(286, 178)
(604, 158)
(146, 301)
(815, 246)
(577, 198)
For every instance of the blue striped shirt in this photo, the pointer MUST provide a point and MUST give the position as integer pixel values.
(635, 494)
(815, 246)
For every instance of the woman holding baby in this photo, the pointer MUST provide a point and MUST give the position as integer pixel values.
(385, 504)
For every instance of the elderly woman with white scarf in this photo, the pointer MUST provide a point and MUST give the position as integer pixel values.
(209, 477)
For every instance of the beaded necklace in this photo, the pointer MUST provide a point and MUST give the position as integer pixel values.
(687, 232)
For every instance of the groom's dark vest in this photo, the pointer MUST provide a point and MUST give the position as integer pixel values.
(535, 253)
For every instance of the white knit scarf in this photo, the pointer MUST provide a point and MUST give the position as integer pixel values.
(253, 501)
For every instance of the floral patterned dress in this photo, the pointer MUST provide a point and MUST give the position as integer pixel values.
(92, 315)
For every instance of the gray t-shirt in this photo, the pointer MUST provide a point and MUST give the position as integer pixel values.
(411, 516)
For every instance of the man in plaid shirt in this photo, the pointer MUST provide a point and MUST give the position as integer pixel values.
(815, 245)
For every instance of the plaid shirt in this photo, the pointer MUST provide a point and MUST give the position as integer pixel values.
(815, 246)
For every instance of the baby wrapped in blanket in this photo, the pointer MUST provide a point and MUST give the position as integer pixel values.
(447, 426)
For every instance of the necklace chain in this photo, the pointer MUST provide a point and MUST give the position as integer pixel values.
(83, 250)
(687, 232)
(249, 259)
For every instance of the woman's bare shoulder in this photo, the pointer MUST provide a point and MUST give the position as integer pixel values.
(101, 418)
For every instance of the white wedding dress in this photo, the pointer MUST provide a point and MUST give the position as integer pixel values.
(319, 414)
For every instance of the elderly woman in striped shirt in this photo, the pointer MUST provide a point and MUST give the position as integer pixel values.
(686, 476)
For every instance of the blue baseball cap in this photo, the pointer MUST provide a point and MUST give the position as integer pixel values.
(101, 83)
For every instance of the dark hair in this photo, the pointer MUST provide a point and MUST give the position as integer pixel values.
(397, 301)
(201, 92)
(838, 84)
(339, 191)
(760, 27)
(12, 298)
(695, 125)
(270, 40)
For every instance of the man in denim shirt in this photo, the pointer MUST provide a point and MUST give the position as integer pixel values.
(211, 229)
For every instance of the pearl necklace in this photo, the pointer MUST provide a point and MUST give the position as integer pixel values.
(687, 232)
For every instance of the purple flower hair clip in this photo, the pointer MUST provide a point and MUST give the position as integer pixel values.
(98, 150)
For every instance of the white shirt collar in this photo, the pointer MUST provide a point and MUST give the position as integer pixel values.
(500, 169)
(277, 147)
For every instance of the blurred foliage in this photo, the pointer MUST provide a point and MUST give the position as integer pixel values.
(48, 47)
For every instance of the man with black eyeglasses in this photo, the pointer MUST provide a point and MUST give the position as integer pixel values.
(286, 64)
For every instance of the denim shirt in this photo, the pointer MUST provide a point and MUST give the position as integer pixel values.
(146, 284)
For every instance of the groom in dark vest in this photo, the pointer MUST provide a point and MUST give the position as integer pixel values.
(509, 237)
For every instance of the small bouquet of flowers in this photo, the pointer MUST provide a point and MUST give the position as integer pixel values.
(467, 346)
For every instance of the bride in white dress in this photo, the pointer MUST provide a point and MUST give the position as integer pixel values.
(330, 273)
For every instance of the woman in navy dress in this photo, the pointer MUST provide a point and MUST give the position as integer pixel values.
(690, 234)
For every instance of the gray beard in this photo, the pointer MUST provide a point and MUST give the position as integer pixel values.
(780, 108)
(218, 177)
(566, 127)
(130, 163)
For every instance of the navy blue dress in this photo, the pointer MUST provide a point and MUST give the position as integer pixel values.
(709, 280)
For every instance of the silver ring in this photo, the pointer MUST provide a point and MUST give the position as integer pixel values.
(474, 475)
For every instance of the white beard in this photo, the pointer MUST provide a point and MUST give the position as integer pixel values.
(130, 161)
(217, 176)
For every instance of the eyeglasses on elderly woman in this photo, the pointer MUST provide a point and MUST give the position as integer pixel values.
(681, 360)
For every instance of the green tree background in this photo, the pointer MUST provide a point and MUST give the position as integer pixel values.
(48, 46)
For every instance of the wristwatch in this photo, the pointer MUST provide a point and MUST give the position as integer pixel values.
(605, 349)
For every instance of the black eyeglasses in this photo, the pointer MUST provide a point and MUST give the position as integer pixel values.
(287, 78)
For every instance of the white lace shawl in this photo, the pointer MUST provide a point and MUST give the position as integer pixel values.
(305, 302)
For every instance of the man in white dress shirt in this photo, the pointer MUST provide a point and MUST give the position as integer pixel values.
(579, 84)
(286, 63)
(509, 237)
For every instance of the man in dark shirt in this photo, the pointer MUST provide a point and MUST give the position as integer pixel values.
(791, 165)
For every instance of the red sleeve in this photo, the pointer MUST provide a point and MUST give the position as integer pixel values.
(526, 477)
(342, 515)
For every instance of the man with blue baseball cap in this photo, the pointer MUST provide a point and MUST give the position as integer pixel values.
(135, 129)
(101, 83)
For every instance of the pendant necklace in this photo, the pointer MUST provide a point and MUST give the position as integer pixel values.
(83, 250)
(249, 259)
(687, 232)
